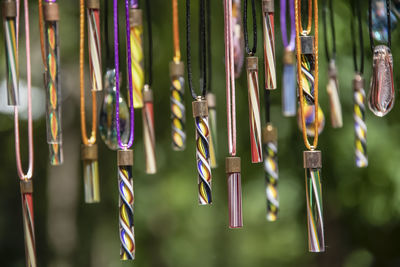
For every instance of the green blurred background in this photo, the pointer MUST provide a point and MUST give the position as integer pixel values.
(361, 206)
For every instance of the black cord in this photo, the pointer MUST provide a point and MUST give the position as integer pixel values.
(150, 48)
(203, 78)
(389, 25)
(208, 38)
(246, 34)
(356, 13)
(328, 7)
(106, 33)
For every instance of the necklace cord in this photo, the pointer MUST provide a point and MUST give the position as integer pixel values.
(291, 45)
(203, 77)
(175, 29)
(356, 14)
(92, 138)
(208, 48)
(328, 8)
(389, 24)
(299, 32)
(250, 52)
(21, 173)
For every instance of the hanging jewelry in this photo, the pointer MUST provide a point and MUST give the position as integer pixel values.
(381, 94)
(177, 70)
(137, 55)
(11, 14)
(125, 154)
(200, 110)
(307, 73)
(232, 162)
(252, 86)
(237, 37)
(333, 85)
(149, 136)
(49, 41)
(360, 127)
(269, 44)
(211, 98)
(289, 96)
(89, 153)
(107, 127)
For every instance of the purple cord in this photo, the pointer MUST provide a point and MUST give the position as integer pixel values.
(291, 45)
(50, 1)
(134, 4)
(128, 49)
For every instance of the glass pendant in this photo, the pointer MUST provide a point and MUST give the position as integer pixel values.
(379, 20)
(381, 93)
(107, 127)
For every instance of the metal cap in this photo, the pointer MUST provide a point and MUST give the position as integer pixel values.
(93, 4)
(147, 93)
(307, 45)
(50, 11)
(89, 152)
(9, 8)
(269, 134)
(200, 108)
(26, 186)
(358, 82)
(232, 165)
(252, 63)
(268, 6)
(332, 71)
(288, 57)
(125, 157)
(211, 100)
(312, 159)
(176, 69)
(135, 17)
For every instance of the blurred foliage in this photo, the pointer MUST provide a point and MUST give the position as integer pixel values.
(361, 206)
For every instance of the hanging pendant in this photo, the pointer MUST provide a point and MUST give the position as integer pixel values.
(212, 119)
(52, 84)
(313, 165)
(381, 94)
(289, 97)
(136, 33)
(360, 126)
(234, 192)
(90, 173)
(26, 187)
(126, 204)
(107, 127)
(269, 44)
(254, 109)
(93, 17)
(178, 110)
(238, 41)
(9, 22)
(307, 77)
(270, 145)
(149, 136)
(333, 91)
(200, 114)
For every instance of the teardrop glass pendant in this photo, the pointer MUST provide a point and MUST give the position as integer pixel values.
(107, 127)
(381, 93)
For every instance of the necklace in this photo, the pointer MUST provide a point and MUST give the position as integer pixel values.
(333, 84)
(269, 44)
(307, 73)
(200, 110)
(125, 154)
(381, 94)
(89, 151)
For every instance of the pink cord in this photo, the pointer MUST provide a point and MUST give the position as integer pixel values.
(230, 78)
(21, 174)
